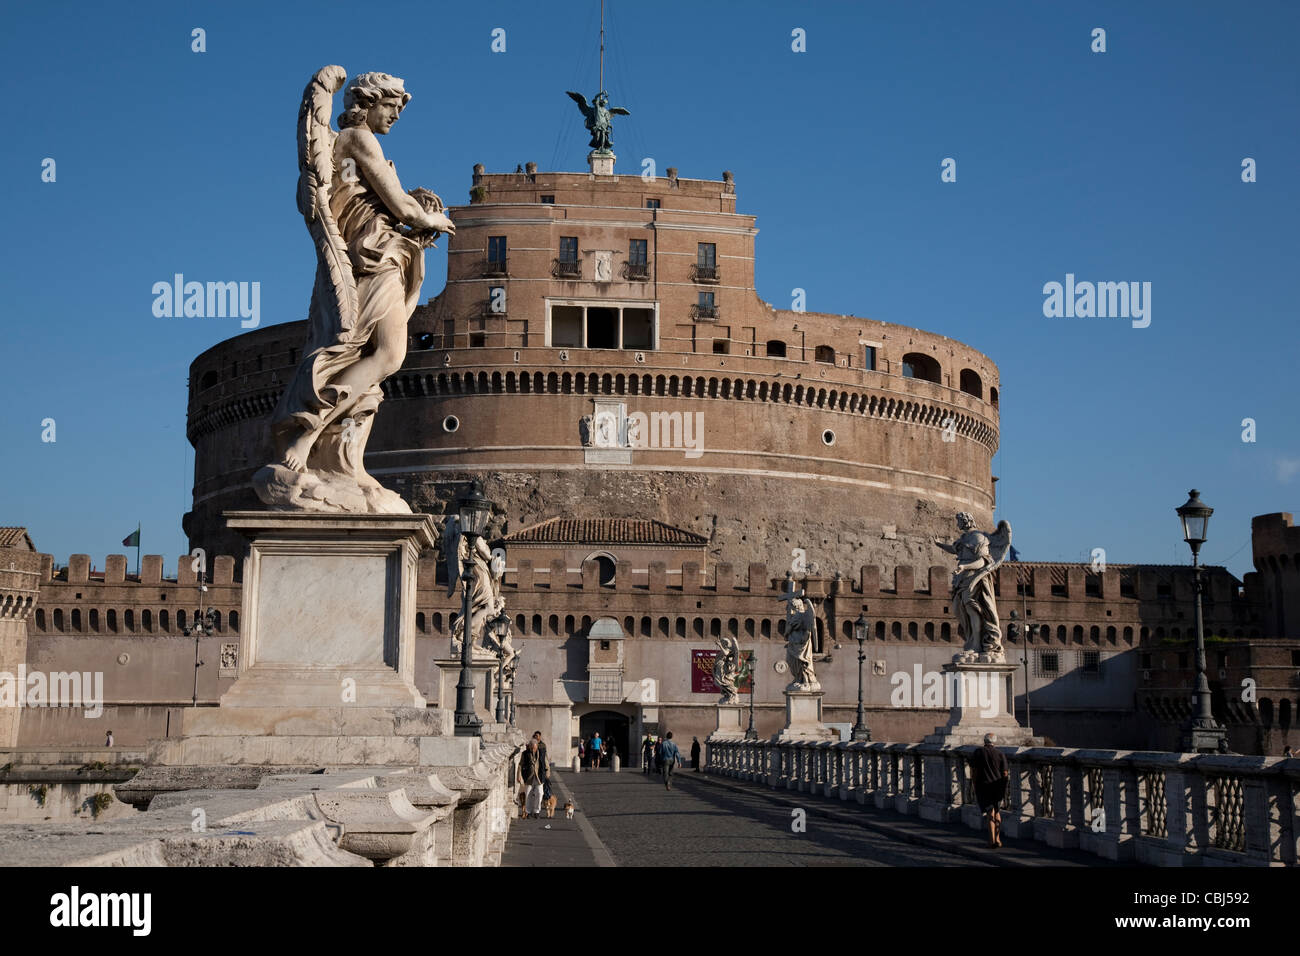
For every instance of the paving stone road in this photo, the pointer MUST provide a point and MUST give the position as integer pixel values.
(703, 823)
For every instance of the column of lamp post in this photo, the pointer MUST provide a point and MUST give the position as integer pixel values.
(473, 511)
(205, 625)
(750, 732)
(860, 729)
(1202, 733)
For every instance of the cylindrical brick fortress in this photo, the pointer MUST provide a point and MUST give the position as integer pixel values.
(631, 304)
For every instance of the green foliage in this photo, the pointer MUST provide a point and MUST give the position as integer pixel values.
(39, 792)
(100, 802)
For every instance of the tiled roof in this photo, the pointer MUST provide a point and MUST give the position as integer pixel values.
(605, 531)
(16, 538)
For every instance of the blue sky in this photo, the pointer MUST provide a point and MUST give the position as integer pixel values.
(1115, 166)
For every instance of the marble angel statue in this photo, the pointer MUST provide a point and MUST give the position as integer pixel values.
(370, 236)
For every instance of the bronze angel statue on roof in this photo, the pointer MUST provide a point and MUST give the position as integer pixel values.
(597, 116)
(979, 555)
(370, 238)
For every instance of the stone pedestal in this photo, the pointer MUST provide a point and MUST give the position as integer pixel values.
(326, 653)
(803, 717)
(981, 695)
(329, 609)
(732, 721)
(484, 674)
(601, 162)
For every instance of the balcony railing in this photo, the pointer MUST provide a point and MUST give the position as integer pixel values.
(703, 273)
(706, 313)
(1164, 809)
(566, 269)
(494, 267)
(636, 271)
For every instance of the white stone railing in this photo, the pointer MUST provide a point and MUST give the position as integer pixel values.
(1167, 809)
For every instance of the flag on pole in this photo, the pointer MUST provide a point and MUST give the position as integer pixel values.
(132, 540)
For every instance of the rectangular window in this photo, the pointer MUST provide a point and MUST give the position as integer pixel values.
(1058, 590)
(706, 300)
(566, 326)
(496, 254)
(602, 327)
(1146, 662)
(568, 248)
(706, 254)
(638, 328)
(549, 200)
(1049, 663)
(1092, 586)
(869, 358)
(652, 203)
(636, 252)
(1091, 663)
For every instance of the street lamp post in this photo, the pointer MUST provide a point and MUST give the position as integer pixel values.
(205, 624)
(860, 730)
(473, 512)
(1202, 734)
(750, 732)
(499, 626)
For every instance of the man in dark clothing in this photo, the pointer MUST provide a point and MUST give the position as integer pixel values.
(545, 765)
(647, 754)
(695, 754)
(990, 772)
(530, 776)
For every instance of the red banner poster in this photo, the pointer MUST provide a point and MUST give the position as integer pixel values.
(702, 674)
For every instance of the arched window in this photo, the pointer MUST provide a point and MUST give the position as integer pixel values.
(553, 624)
(146, 620)
(917, 365)
(58, 618)
(971, 383)
(419, 622)
(164, 621)
(605, 569)
(40, 618)
(765, 628)
(775, 348)
(945, 631)
(208, 380)
(76, 618)
(680, 627)
(128, 619)
(993, 397)
(645, 627)
(665, 627)
(824, 353)
(94, 619)
(110, 616)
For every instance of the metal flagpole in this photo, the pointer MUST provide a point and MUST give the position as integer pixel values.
(602, 44)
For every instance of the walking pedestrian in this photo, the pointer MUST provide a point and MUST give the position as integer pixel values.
(647, 754)
(108, 739)
(594, 747)
(545, 762)
(695, 754)
(669, 758)
(990, 771)
(530, 776)
(659, 753)
(582, 751)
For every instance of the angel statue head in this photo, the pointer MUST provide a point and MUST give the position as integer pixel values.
(964, 521)
(364, 92)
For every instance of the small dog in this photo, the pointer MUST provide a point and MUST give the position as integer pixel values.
(568, 809)
(522, 801)
(550, 805)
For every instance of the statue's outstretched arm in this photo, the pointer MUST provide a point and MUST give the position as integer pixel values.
(364, 148)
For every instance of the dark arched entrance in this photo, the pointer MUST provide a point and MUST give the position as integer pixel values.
(614, 728)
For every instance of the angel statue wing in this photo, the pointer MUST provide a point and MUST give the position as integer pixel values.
(582, 103)
(334, 296)
(618, 111)
(1000, 544)
(451, 551)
